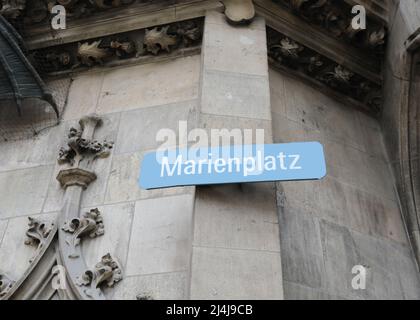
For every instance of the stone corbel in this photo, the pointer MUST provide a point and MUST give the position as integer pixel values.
(239, 12)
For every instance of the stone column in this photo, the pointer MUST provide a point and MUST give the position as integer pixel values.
(236, 248)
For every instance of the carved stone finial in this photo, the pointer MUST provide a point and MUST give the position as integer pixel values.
(90, 225)
(37, 234)
(81, 147)
(107, 272)
(80, 144)
(239, 12)
(5, 285)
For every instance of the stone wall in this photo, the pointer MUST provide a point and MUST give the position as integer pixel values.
(351, 217)
(149, 232)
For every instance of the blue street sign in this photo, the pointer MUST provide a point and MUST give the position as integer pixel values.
(233, 164)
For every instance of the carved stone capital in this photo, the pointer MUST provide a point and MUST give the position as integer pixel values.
(75, 177)
(239, 12)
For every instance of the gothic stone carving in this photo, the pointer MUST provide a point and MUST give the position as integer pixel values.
(37, 234)
(89, 225)
(158, 39)
(38, 11)
(12, 8)
(100, 51)
(336, 17)
(5, 285)
(106, 272)
(288, 53)
(80, 149)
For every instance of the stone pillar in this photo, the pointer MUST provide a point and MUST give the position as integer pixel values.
(236, 250)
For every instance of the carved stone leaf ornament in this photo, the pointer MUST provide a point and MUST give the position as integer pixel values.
(37, 234)
(107, 272)
(158, 39)
(78, 149)
(12, 8)
(91, 53)
(89, 225)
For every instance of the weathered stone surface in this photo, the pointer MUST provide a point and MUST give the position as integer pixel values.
(3, 226)
(240, 216)
(300, 239)
(165, 286)
(149, 85)
(234, 94)
(389, 257)
(209, 122)
(141, 126)
(40, 150)
(123, 183)
(250, 44)
(161, 235)
(14, 253)
(117, 220)
(356, 205)
(295, 291)
(340, 255)
(235, 274)
(83, 96)
(23, 192)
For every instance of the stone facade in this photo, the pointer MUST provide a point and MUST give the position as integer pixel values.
(283, 240)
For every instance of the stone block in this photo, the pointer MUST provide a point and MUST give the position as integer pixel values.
(302, 195)
(138, 128)
(233, 94)
(295, 291)
(147, 85)
(161, 235)
(235, 274)
(83, 95)
(209, 122)
(392, 272)
(23, 192)
(165, 286)
(231, 49)
(28, 153)
(241, 216)
(302, 256)
(340, 256)
(123, 182)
